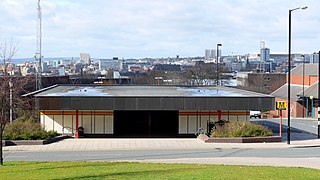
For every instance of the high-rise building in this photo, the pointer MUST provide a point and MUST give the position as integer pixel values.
(314, 58)
(211, 54)
(207, 55)
(265, 54)
(85, 57)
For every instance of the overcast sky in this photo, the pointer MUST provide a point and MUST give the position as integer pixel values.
(159, 28)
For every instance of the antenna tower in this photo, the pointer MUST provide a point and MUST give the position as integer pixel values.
(38, 55)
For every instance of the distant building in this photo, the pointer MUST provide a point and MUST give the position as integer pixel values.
(44, 66)
(121, 64)
(105, 64)
(61, 71)
(211, 54)
(78, 68)
(85, 57)
(264, 59)
(314, 58)
(261, 82)
(167, 67)
(265, 54)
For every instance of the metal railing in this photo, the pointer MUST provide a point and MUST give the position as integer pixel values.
(72, 130)
(200, 131)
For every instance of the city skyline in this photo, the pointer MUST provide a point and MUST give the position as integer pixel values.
(140, 28)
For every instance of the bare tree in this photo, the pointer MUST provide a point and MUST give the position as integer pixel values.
(200, 74)
(8, 50)
(10, 98)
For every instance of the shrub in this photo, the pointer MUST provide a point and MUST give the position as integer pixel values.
(27, 130)
(240, 129)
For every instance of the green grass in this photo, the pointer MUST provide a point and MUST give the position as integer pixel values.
(124, 170)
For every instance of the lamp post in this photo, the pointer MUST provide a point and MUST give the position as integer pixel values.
(218, 63)
(303, 69)
(289, 69)
(319, 96)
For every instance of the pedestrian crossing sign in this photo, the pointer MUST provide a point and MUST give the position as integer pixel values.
(281, 105)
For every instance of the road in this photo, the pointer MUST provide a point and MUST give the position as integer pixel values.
(301, 129)
(121, 155)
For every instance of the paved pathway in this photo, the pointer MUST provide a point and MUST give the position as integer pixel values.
(181, 145)
(148, 143)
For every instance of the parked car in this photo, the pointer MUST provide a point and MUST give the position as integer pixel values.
(255, 114)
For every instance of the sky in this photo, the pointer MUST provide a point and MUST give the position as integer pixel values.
(158, 28)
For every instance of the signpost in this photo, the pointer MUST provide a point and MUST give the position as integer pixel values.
(281, 105)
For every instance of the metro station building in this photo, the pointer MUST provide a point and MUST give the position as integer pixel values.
(143, 111)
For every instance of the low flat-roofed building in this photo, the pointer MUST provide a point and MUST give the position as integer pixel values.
(143, 111)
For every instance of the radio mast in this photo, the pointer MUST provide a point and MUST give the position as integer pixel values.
(38, 55)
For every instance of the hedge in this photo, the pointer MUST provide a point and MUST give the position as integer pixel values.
(27, 130)
(240, 129)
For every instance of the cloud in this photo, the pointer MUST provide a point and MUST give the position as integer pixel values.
(159, 28)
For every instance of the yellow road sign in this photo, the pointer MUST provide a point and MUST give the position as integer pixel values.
(281, 105)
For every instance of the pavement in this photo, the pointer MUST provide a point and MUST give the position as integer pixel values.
(151, 144)
(181, 144)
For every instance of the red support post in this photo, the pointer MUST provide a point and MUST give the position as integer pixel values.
(280, 124)
(219, 115)
(77, 124)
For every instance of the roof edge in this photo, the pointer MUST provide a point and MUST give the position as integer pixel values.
(40, 90)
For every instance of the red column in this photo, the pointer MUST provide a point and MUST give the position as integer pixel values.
(77, 124)
(219, 115)
(280, 124)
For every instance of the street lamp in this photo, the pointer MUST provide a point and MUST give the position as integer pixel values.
(289, 69)
(303, 69)
(218, 63)
(319, 96)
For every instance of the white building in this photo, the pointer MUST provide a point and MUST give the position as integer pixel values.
(85, 57)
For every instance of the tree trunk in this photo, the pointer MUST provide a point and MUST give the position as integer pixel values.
(1, 156)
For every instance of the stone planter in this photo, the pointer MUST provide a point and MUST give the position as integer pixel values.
(33, 142)
(269, 139)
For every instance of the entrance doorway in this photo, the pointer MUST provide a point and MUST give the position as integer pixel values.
(146, 123)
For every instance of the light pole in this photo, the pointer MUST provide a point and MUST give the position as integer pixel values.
(218, 63)
(303, 69)
(10, 100)
(289, 69)
(319, 96)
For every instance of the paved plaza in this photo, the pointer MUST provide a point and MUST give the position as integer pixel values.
(149, 144)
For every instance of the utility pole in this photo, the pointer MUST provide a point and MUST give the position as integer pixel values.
(38, 55)
(319, 95)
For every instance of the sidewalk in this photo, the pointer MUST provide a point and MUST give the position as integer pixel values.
(151, 144)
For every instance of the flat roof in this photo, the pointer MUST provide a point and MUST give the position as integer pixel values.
(143, 91)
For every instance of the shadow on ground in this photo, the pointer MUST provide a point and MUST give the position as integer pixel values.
(296, 134)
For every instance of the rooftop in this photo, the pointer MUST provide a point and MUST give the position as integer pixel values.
(142, 91)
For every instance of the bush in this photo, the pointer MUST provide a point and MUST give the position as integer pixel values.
(240, 129)
(27, 130)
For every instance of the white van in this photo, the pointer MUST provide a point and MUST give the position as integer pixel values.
(255, 114)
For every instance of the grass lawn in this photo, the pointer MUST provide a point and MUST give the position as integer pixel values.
(123, 170)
